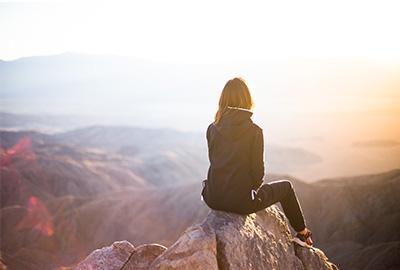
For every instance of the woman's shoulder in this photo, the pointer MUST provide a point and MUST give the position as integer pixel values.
(257, 127)
(210, 126)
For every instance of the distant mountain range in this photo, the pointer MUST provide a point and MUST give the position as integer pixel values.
(151, 150)
(108, 88)
(123, 90)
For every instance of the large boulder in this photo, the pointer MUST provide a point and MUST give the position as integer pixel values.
(224, 240)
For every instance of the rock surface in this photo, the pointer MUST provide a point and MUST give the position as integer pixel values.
(112, 257)
(143, 256)
(222, 240)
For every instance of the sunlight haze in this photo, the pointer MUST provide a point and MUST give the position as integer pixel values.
(203, 31)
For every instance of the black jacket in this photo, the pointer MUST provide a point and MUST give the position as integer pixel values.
(236, 154)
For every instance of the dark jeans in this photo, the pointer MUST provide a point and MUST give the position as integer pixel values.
(282, 191)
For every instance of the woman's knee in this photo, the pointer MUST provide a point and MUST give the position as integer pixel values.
(286, 183)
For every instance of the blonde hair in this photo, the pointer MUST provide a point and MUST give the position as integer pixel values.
(235, 94)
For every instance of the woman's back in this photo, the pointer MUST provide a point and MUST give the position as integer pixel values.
(235, 149)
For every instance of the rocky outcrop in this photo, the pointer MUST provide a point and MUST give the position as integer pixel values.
(113, 257)
(222, 240)
(122, 255)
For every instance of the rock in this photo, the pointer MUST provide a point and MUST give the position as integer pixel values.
(143, 255)
(2, 265)
(230, 241)
(113, 257)
(313, 258)
(121, 255)
(222, 240)
(195, 249)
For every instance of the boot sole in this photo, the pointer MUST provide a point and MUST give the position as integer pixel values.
(301, 243)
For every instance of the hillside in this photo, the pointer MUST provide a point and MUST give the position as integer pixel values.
(62, 198)
(355, 219)
(85, 225)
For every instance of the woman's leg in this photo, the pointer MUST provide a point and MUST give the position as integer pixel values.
(282, 191)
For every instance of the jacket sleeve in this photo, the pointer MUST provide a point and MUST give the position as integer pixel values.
(257, 160)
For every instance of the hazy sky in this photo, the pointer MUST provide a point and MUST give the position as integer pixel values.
(311, 55)
(203, 31)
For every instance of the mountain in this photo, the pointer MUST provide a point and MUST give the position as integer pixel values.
(34, 164)
(43, 123)
(191, 146)
(355, 219)
(122, 156)
(161, 156)
(109, 88)
(81, 224)
(222, 240)
(64, 195)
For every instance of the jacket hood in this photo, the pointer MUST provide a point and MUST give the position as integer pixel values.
(234, 122)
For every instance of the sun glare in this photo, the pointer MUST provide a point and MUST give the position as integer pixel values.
(203, 31)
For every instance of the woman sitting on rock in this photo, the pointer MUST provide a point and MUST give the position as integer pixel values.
(236, 152)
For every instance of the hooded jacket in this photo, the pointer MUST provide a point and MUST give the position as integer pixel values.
(236, 154)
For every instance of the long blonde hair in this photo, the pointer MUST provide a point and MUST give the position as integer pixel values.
(235, 94)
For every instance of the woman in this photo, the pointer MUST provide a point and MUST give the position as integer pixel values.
(236, 151)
